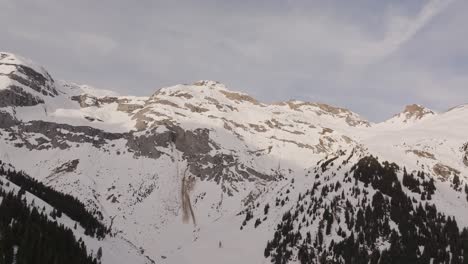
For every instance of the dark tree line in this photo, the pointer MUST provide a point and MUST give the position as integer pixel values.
(466, 191)
(422, 235)
(63, 203)
(419, 184)
(28, 237)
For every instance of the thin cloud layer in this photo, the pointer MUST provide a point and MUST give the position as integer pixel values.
(400, 29)
(370, 56)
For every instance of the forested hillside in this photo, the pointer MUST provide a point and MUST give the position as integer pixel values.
(62, 203)
(370, 219)
(28, 236)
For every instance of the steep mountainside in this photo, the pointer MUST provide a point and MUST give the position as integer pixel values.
(198, 173)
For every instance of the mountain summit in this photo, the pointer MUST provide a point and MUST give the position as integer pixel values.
(411, 114)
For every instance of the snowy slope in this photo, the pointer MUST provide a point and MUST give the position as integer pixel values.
(176, 172)
(116, 249)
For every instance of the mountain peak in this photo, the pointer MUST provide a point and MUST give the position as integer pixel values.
(411, 114)
(416, 112)
(209, 83)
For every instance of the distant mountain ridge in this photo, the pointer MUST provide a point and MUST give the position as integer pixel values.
(198, 173)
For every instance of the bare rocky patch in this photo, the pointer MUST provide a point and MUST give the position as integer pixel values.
(350, 118)
(444, 172)
(464, 150)
(258, 128)
(326, 130)
(69, 166)
(165, 102)
(239, 97)
(183, 95)
(421, 154)
(17, 96)
(195, 109)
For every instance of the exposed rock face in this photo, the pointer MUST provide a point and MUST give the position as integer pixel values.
(464, 150)
(414, 112)
(27, 83)
(351, 118)
(146, 145)
(7, 121)
(195, 108)
(86, 100)
(196, 147)
(206, 83)
(67, 166)
(192, 143)
(16, 96)
(128, 108)
(444, 171)
(41, 135)
(422, 154)
(238, 97)
(411, 114)
(39, 82)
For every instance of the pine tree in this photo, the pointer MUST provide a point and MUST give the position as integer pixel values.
(99, 254)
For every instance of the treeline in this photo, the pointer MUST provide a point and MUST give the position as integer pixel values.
(63, 203)
(424, 235)
(28, 237)
(385, 227)
(419, 184)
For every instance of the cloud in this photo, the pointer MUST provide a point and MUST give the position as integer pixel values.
(400, 29)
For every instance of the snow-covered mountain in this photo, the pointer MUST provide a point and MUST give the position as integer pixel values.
(412, 114)
(199, 173)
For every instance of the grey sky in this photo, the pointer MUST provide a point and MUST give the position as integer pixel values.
(372, 57)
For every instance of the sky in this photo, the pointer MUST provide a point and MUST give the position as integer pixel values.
(373, 57)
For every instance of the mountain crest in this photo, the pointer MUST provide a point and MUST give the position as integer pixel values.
(416, 111)
(209, 83)
(411, 114)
